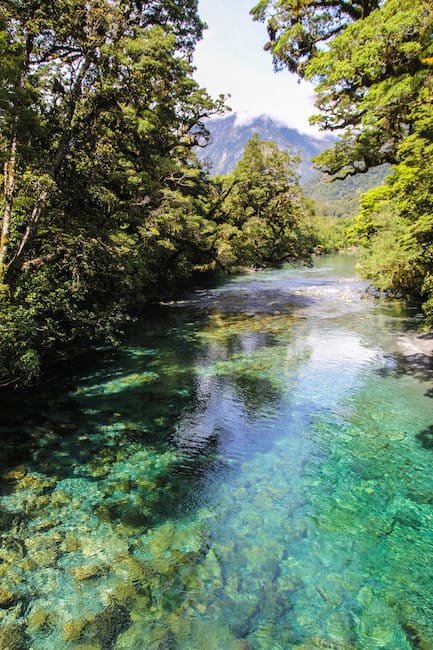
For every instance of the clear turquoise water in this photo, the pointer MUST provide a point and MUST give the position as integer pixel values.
(252, 469)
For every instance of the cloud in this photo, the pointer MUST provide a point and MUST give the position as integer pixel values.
(231, 60)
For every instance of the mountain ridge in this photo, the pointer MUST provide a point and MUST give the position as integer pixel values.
(230, 134)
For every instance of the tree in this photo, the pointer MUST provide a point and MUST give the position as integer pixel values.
(263, 215)
(299, 29)
(371, 82)
(395, 224)
(368, 77)
(99, 115)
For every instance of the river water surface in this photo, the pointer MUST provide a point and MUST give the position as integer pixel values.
(251, 469)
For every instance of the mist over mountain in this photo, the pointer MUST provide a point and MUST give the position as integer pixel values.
(230, 134)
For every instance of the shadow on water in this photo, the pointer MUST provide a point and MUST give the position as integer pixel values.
(425, 437)
(128, 448)
(135, 398)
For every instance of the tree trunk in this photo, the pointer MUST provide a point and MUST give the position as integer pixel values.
(9, 189)
(58, 160)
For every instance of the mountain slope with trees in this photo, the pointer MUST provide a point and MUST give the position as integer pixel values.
(342, 197)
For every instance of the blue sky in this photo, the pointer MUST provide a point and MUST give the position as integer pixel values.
(230, 59)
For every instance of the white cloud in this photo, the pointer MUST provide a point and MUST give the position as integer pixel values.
(231, 60)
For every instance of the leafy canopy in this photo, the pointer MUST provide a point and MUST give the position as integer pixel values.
(265, 213)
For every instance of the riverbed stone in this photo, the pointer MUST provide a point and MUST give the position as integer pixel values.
(71, 543)
(7, 598)
(88, 571)
(38, 619)
(12, 637)
(37, 483)
(74, 628)
(59, 498)
(15, 474)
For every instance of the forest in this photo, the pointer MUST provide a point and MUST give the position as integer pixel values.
(105, 206)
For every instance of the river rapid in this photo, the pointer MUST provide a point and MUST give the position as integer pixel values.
(251, 469)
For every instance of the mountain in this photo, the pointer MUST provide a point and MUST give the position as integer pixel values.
(230, 134)
(341, 198)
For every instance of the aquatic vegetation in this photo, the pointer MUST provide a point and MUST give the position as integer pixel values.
(267, 489)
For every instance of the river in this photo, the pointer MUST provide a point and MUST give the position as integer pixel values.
(251, 469)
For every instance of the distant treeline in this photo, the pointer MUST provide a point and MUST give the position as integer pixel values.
(341, 198)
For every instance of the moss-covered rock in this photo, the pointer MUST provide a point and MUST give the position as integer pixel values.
(122, 593)
(15, 474)
(38, 620)
(74, 628)
(59, 498)
(71, 543)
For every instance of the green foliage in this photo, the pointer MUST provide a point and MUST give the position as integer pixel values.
(396, 222)
(370, 81)
(385, 258)
(299, 29)
(98, 118)
(331, 233)
(264, 212)
(18, 355)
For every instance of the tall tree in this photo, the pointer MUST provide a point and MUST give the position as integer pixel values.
(68, 66)
(99, 115)
(264, 214)
(371, 82)
(368, 77)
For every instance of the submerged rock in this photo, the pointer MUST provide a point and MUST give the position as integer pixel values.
(71, 543)
(121, 593)
(38, 620)
(321, 644)
(74, 628)
(86, 572)
(12, 637)
(7, 598)
(15, 474)
(378, 626)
